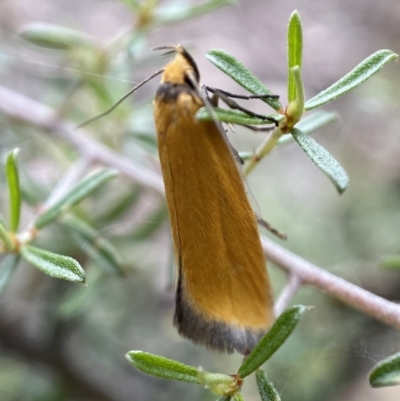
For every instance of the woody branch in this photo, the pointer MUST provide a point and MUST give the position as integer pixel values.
(21, 108)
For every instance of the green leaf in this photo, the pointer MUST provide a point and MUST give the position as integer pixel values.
(54, 265)
(176, 12)
(391, 262)
(315, 121)
(224, 398)
(7, 267)
(162, 367)
(295, 51)
(54, 36)
(241, 74)
(238, 397)
(266, 388)
(99, 249)
(151, 224)
(133, 4)
(120, 205)
(310, 124)
(365, 70)
(74, 196)
(323, 160)
(386, 372)
(5, 238)
(14, 189)
(235, 116)
(275, 337)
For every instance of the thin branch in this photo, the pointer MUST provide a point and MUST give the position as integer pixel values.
(289, 291)
(363, 300)
(74, 173)
(21, 108)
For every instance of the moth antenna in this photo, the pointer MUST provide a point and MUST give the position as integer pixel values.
(120, 100)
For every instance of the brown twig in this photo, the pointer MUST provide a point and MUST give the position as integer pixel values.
(292, 286)
(363, 300)
(21, 108)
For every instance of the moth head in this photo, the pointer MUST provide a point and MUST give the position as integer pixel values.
(182, 69)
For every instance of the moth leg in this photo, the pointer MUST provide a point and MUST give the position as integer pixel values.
(235, 106)
(246, 97)
(209, 103)
(258, 129)
(268, 226)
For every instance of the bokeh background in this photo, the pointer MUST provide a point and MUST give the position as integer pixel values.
(62, 341)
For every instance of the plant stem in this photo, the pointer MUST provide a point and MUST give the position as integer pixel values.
(363, 300)
(266, 147)
(22, 108)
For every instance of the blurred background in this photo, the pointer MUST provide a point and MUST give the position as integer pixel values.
(63, 341)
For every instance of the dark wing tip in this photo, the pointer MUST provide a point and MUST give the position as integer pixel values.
(215, 335)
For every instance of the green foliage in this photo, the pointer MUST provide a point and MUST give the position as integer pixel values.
(14, 189)
(365, 70)
(323, 160)
(7, 267)
(220, 383)
(297, 105)
(54, 265)
(266, 388)
(99, 249)
(54, 36)
(74, 196)
(94, 93)
(391, 262)
(386, 372)
(295, 51)
(242, 75)
(273, 340)
(163, 367)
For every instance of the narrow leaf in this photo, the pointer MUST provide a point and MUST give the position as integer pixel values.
(241, 74)
(151, 224)
(265, 387)
(310, 124)
(177, 12)
(5, 238)
(238, 397)
(162, 367)
(54, 265)
(275, 337)
(14, 189)
(391, 262)
(121, 205)
(224, 398)
(73, 197)
(365, 70)
(386, 373)
(7, 267)
(99, 249)
(133, 4)
(235, 116)
(323, 160)
(295, 51)
(54, 36)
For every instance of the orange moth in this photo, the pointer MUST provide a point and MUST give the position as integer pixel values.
(223, 294)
